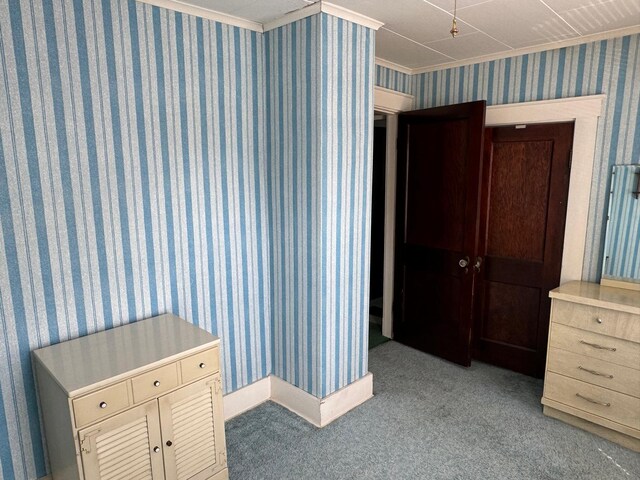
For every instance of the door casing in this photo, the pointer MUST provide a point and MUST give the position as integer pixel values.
(584, 111)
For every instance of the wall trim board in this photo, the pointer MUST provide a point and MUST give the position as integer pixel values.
(393, 66)
(391, 101)
(621, 32)
(178, 6)
(585, 112)
(317, 411)
(313, 9)
(246, 398)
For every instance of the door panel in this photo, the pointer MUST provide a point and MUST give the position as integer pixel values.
(438, 199)
(193, 430)
(136, 431)
(525, 189)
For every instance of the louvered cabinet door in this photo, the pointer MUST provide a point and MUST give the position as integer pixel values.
(124, 447)
(193, 430)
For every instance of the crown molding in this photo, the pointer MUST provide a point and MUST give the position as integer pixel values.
(294, 16)
(351, 16)
(393, 66)
(178, 6)
(313, 9)
(622, 32)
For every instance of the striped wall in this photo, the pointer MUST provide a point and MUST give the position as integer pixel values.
(611, 67)
(393, 80)
(622, 252)
(133, 181)
(319, 77)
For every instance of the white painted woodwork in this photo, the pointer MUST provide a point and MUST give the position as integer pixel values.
(165, 385)
(593, 360)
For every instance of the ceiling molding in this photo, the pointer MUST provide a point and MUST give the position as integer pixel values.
(393, 66)
(622, 32)
(313, 9)
(351, 16)
(294, 16)
(178, 6)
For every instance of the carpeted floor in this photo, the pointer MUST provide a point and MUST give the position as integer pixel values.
(429, 419)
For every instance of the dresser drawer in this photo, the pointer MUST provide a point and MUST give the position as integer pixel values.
(200, 364)
(153, 383)
(614, 406)
(100, 404)
(592, 370)
(600, 320)
(591, 344)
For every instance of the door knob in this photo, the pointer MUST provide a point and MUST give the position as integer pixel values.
(477, 265)
(463, 262)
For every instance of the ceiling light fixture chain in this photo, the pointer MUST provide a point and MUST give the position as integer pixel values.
(454, 26)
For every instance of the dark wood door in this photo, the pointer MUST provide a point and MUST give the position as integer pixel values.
(438, 200)
(525, 189)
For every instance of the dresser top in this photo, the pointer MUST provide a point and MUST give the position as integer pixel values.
(86, 362)
(594, 294)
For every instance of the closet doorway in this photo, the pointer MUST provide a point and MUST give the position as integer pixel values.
(479, 235)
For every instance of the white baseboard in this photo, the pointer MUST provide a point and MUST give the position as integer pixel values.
(295, 399)
(246, 398)
(317, 411)
(346, 399)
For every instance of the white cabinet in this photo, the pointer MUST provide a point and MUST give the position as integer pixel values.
(593, 361)
(141, 401)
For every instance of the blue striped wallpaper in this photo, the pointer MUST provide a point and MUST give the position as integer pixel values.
(610, 66)
(320, 89)
(393, 80)
(622, 251)
(133, 181)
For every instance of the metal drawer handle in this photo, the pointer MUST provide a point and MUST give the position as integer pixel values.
(604, 404)
(156, 449)
(156, 383)
(593, 372)
(599, 347)
(103, 404)
(599, 320)
(202, 365)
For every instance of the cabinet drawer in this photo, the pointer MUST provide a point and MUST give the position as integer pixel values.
(200, 364)
(153, 383)
(591, 344)
(100, 404)
(592, 370)
(614, 406)
(600, 320)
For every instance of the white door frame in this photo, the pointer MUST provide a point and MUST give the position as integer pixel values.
(584, 111)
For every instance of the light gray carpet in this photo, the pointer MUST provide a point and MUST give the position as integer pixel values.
(429, 419)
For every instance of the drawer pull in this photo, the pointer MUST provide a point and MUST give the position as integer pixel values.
(599, 320)
(591, 400)
(103, 404)
(202, 365)
(599, 347)
(156, 383)
(156, 449)
(593, 372)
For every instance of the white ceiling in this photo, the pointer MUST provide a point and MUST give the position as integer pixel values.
(416, 36)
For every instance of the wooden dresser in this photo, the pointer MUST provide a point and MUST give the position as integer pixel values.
(142, 400)
(592, 377)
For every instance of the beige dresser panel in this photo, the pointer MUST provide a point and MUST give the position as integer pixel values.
(143, 400)
(600, 320)
(614, 406)
(200, 365)
(153, 383)
(610, 349)
(592, 370)
(100, 404)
